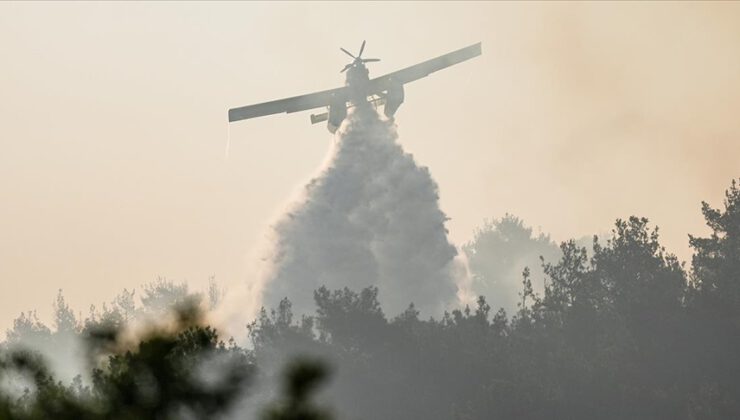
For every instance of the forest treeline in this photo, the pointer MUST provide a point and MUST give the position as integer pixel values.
(617, 330)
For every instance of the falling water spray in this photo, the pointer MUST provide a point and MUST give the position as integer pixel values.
(370, 218)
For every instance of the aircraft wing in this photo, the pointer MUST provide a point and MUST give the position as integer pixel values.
(294, 104)
(409, 74)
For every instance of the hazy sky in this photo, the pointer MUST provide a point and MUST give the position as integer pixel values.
(113, 126)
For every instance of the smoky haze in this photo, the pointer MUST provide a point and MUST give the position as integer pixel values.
(112, 126)
(578, 118)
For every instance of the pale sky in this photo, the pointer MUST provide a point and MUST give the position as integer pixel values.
(113, 126)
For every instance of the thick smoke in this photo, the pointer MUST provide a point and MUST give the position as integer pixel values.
(371, 217)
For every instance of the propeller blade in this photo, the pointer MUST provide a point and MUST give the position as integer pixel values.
(362, 48)
(370, 60)
(347, 52)
(345, 68)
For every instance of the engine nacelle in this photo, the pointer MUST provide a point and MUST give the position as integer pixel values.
(393, 100)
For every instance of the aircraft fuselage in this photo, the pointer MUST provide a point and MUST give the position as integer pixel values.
(358, 77)
(358, 82)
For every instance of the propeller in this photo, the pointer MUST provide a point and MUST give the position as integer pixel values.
(362, 48)
(358, 59)
(347, 52)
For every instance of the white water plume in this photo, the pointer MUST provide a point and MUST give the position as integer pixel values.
(371, 218)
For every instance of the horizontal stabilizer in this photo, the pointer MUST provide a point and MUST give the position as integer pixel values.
(317, 118)
(375, 100)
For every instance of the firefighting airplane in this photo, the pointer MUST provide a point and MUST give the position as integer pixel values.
(358, 90)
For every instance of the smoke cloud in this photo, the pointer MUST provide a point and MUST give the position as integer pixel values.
(371, 217)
